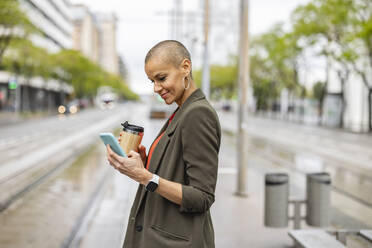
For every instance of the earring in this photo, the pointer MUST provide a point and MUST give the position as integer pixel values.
(188, 86)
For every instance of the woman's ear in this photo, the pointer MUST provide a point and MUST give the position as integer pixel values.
(186, 66)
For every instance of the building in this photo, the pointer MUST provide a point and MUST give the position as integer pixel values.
(95, 36)
(63, 26)
(53, 18)
(356, 110)
(86, 32)
(108, 57)
(123, 71)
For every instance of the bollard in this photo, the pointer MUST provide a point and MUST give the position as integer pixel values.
(276, 200)
(318, 189)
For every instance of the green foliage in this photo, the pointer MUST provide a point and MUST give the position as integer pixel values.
(20, 56)
(14, 25)
(85, 76)
(274, 66)
(222, 79)
(24, 58)
(10, 14)
(361, 46)
(318, 91)
(326, 23)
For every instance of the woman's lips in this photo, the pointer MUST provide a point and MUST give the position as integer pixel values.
(164, 95)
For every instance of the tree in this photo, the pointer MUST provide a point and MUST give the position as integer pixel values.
(25, 59)
(14, 25)
(223, 79)
(85, 76)
(359, 54)
(274, 65)
(326, 24)
(318, 94)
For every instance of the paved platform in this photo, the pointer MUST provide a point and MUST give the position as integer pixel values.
(238, 221)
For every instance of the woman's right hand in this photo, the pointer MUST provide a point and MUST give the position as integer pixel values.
(141, 150)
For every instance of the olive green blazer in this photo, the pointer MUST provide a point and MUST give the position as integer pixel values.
(188, 154)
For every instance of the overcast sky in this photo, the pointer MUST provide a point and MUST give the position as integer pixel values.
(143, 23)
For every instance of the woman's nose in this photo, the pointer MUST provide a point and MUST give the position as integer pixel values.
(157, 88)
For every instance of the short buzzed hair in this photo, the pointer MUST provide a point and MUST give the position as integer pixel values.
(171, 51)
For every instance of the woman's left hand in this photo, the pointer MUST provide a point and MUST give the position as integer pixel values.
(132, 166)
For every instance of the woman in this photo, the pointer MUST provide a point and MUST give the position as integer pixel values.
(178, 177)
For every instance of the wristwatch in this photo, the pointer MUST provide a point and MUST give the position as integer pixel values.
(152, 185)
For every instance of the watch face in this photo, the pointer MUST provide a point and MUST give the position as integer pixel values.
(151, 186)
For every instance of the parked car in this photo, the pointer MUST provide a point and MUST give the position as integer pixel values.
(70, 108)
(226, 106)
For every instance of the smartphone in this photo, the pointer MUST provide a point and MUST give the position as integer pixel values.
(108, 138)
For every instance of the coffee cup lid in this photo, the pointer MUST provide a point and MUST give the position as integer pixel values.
(127, 126)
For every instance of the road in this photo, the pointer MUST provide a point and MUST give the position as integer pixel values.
(77, 200)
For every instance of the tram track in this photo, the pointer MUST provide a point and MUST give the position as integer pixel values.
(36, 163)
(16, 186)
(65, 196)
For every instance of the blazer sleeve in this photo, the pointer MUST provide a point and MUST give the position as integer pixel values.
(200, 143)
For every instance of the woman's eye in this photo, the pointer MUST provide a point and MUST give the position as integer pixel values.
(162, 79)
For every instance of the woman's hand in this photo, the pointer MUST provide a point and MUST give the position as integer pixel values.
(132, 166)
(142, 152)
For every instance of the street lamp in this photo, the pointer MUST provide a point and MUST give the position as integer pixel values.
(206, 76)
(242, 96)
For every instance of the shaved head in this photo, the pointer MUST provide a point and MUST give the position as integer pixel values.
(169, 51)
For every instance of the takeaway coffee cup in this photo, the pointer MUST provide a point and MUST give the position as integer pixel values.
(130, 137)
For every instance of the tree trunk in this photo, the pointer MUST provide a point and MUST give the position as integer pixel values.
(370, 110)
(343, 107)
(320, 111)
(343, 80)
(325, 90)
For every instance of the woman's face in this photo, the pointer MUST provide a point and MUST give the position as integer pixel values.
(168, 80)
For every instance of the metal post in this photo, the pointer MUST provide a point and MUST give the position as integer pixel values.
(242, 95)
(297, 215)
(206, 76)
(318, 191)
(276, 200)
(177, 20)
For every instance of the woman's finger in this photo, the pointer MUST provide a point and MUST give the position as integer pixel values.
(117, 157)
(109, 150)
(111, 161)
(133, 154)
(142, 150)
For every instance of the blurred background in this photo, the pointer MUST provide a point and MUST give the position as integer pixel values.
(70, 69)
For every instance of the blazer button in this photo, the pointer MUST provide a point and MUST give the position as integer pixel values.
(139, 228)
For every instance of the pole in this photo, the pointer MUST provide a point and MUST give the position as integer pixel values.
(206, 76)
(242, 96)
(178, 20)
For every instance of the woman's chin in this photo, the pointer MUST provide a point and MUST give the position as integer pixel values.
(168, 102)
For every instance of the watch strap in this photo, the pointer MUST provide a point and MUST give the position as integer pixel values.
(152, 185)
